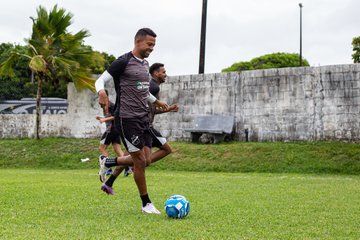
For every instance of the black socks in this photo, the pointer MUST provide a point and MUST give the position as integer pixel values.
(111, 162)
(145, 199)
(111, 180)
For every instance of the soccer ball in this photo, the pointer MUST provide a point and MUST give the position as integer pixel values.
(177, 206)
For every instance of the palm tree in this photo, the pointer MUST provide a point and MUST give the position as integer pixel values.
(54, 53)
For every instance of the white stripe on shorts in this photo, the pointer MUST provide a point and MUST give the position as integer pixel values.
(131, 148)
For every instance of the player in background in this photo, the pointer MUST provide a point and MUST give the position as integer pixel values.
(110, 136)
(158, 76)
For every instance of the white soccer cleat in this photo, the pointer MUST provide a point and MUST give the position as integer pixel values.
(103, 168)
(150, 208)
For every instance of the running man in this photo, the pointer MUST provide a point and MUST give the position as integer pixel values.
(130, 73)
(158, 74)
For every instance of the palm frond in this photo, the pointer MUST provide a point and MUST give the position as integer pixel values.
(83, 80)
(6, 67)
(66, 65)
(38, 64)
(59, 20)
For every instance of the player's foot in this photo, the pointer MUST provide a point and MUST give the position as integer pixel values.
(150, 208)
(127, 171)
(108, 190)
(109, 172)
(103, 168)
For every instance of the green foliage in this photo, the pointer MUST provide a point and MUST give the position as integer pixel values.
(54, 53)
(51, 50)
(20, 85)
(63, 53)
(11, 89)
(356, 48)
(15, 87)
(101, 61)
(68, 204)
(274, 60)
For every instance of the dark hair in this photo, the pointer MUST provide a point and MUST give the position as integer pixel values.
(143, 32)
(155, 67)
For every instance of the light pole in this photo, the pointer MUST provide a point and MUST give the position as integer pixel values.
(301, 6)
(203, 38)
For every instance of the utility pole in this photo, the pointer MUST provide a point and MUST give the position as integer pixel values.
(203, 38)
(301, 6)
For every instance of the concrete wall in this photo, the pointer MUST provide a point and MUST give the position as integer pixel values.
(79, 122)
(308, 103)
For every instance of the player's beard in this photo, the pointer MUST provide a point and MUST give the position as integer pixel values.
(146, 53)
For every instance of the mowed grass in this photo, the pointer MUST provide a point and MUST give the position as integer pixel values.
(265, 157)
(68, 204)
(237, 190)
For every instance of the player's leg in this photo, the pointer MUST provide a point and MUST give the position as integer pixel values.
(114, 138)
(117, 148)
(159, 142)
(128, 169)
(134, 134)
(104, 143)
(107, 186)
(110, 181)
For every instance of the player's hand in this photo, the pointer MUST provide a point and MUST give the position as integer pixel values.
(104, 100)
(173, 108)
(100, 119)
(163, 105)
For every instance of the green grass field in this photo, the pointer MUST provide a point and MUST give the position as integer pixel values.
(265, 157)
(67, 204)
(236, 191)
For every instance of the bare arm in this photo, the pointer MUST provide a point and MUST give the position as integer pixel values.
(171, 108)
(157, 102)
(100, 89)
(104, 119)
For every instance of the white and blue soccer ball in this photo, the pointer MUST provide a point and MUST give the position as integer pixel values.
(177, 206)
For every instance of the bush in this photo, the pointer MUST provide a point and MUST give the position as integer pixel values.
(274, 60)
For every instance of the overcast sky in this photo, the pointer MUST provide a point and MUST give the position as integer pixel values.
(237, 30)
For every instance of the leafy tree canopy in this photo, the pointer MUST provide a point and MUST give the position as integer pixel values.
(356, 49)
(22, 81)
(273, 60)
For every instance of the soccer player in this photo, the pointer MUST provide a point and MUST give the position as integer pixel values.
(158, 74)
(130, 73)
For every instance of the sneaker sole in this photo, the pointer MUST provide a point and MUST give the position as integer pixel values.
(106, 191)
(150, 212)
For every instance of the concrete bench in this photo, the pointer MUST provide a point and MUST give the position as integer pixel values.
(219, 127)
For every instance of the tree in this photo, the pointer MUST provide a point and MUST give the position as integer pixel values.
(101, 61)
(15, 87)
(356, 48)
(53, 54)
(273, 60)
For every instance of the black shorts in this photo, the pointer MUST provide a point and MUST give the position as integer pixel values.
(157, 140)
(135, 133)
(110, 138)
